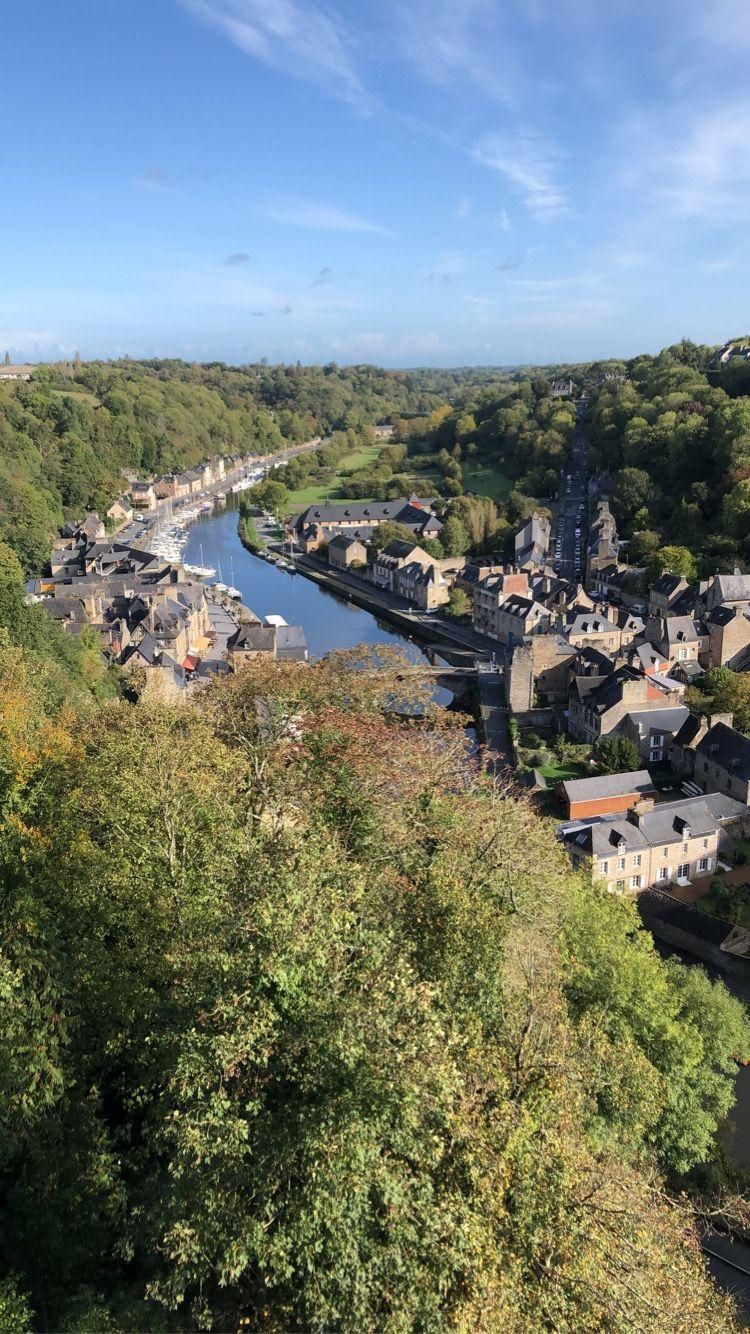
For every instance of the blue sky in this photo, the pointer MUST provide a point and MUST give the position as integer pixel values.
(398, 181)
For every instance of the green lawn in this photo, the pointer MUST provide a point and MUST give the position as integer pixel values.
(557, 772)
(322, 495)
(487, 481)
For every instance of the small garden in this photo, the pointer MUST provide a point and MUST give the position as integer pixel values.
(555, 756)
(728, 901)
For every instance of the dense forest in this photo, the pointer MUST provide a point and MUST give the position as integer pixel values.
(305, 1025)
(675, 439)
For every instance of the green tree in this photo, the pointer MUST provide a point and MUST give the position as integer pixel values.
(455, 537)
(459, 603)
(672, 560)
(617, 754)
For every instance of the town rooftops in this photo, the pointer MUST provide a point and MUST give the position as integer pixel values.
(638, 784)
(253, 638)
(728, 748)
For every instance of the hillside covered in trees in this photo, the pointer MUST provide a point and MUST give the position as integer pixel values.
(305, 1025)
(67, 436)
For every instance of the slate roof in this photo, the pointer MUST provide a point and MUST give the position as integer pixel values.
(253, 638)
(343, 542)
(609, 785)
(291, 644)
(728, 748)
(668, 719)
(397, 549)
(667, 584)
(689, 731)
(733, 587)
(371, 511)
(649, 657)
(679, 630)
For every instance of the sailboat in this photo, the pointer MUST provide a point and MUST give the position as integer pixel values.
(233, 592)
(219, 586)
(203, 571)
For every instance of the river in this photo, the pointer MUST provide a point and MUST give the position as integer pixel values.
(329, 622)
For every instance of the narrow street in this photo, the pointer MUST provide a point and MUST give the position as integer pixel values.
(570, 529)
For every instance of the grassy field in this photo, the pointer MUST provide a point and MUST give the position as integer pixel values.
(359, 458)
(487, 481)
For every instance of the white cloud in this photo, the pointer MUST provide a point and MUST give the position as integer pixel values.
(478, 300)
(463, 208)
(704, 169)
(319, 217)
(529, 166)
(503, 220)
(296, 37)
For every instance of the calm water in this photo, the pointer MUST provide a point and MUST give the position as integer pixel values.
(328, 621)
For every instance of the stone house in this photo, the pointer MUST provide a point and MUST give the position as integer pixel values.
(120, 511)
(728, 630)
(654, 846)
(344, 551)
(423, 585)
(532, 542)
(593, 714)
(653, 730)
(538, 672)
(142, 495)
(391, 559)
(722, 762)
(665, 592)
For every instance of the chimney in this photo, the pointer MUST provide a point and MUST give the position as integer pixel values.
(641, 808)
(726, 718)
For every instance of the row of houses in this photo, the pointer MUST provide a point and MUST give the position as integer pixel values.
(146, 493)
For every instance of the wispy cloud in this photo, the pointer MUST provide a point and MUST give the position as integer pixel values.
(237, 259)
(319, 217)
(503, 220)
(296, 37)
(153, 178)
(703, 171)
(463, 209)
(530, 167)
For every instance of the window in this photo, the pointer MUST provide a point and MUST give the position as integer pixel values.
(621, 863)
(685, 847)
(637, 859)
(683, 871)
(635, 881)
(665, 852)
(620, 886)
(604, 867)
(682, 654)
(657, 740)
(663, 872)
(704, 864)
(705, 842)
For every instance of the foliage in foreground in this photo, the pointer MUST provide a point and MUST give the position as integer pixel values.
(305, 1025)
